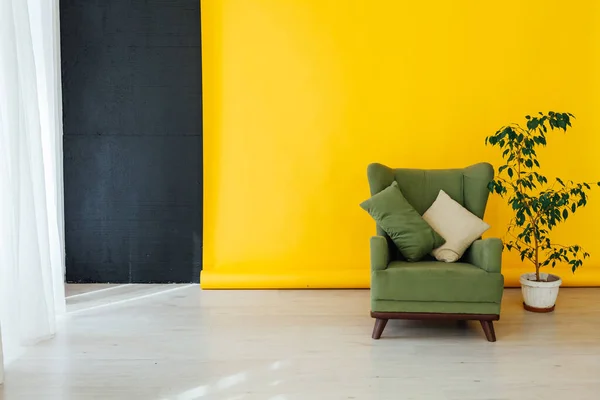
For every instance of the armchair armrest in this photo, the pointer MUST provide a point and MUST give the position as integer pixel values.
(380, 254)
(486, 254)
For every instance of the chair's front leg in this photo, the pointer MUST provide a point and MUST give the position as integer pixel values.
(488, 329)
(380, 324)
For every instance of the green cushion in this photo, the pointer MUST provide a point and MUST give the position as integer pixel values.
(436, 281)
(403, 224)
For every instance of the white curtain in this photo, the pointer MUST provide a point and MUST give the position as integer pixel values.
(31, 191)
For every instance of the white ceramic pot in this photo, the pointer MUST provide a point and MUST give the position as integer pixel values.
(540, 296)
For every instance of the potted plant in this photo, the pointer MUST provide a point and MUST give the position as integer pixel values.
(539, 205)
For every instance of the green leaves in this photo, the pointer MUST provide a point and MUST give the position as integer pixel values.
(520, 217)
(532, 124)
(497, 187)
(537, 208)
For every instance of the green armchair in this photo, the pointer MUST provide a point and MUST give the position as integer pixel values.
(470, 289)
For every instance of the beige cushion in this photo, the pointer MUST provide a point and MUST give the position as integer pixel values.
(455, 224)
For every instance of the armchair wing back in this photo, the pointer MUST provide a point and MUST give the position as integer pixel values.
(420, 187)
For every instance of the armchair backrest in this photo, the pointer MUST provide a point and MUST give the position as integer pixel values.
(467, 186)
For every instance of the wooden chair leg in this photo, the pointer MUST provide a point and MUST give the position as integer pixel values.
(488, 329)
(380, 324)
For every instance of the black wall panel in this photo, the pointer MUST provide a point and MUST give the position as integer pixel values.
(132, 106)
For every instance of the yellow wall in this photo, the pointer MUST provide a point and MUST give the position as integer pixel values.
(300, 95)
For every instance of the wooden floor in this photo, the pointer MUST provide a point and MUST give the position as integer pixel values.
(180, 343)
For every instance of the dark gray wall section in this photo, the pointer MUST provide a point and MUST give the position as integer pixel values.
(132, 103)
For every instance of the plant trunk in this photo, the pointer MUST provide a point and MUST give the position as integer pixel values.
(537, 258)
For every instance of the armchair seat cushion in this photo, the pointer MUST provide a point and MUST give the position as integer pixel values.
(435, 281)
